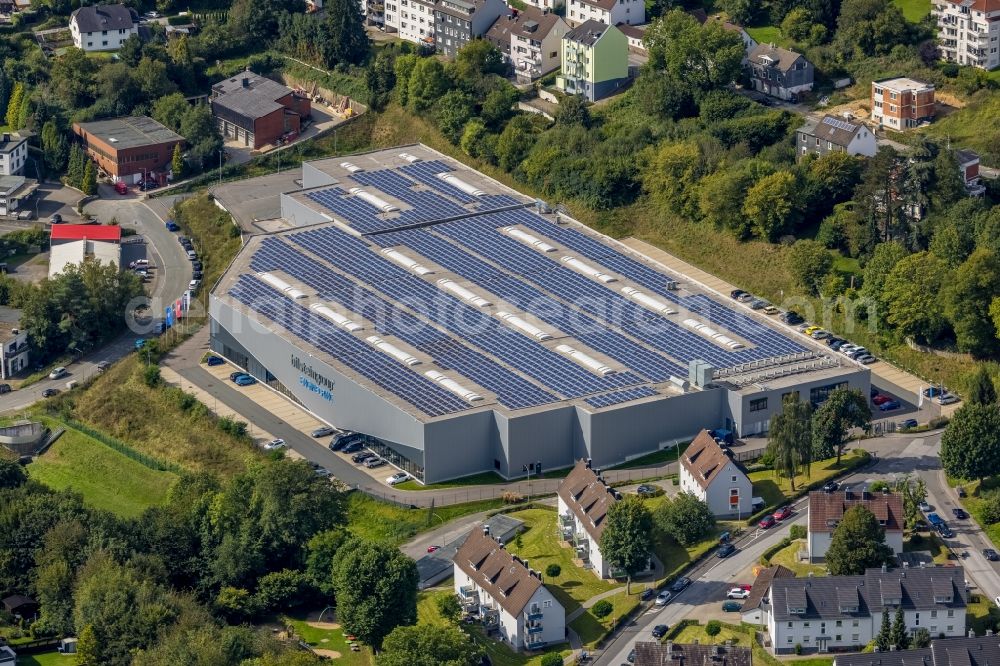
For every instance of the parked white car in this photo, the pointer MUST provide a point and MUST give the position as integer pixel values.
(58, 373)
(398, 477)
(662, 598)
(274, 444)
(738, 593)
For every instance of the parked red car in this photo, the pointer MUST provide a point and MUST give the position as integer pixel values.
(783, 513)
(767, 521)
(881, 398)
(121, 187)
(745, 586)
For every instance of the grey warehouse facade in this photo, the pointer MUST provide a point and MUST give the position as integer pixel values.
(464, 328)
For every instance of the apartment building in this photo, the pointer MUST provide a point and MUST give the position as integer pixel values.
(457, 22)
(530, 39)
(711, 475)
(583, 500)
(965, 651)
(608, 12)
(13, 154)
(834, 135)
(506, 594)
(13, 343)
(594, 61)
(102, 27)
(844, 613)
(413, 20)
(827, 509)
(968, 31)
(902, 103)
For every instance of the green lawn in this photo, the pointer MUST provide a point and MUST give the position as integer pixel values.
(788, 558)
(329, 639)
(499, 653)
(914, 10)
(769, 34)
(382, 521)
(46, 659)
(106, 479)
(661, 457)
(972, 504)
(592, 629)
(740, 636)
(777, 490)
(981, 614)
(928, 542)
(480, 479)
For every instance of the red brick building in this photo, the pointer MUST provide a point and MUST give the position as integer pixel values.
(902, 103)
(257, 111)
(129, 148)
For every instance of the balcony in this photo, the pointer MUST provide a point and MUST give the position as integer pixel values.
(469, 593)
(535, 616)
(533, 639)
(535, 629)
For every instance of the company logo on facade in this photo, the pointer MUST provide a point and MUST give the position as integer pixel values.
(314, 381)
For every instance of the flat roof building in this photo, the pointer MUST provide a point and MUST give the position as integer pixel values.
(130, 148)
(76, 243)
(465, 330)
(902, 103)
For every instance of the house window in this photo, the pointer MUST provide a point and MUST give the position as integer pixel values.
(951, 628)
(933, 614)
(758, 405)
(837, 638)
(789, 625)
(791, 639)
(854, 637)
(547, 604)
(839, 623)
(854, 624)
(805, 624)
(951, 613)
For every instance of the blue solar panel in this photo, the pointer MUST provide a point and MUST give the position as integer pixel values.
(426, 173)
(619, 397)
(517, 351)
(511, 390)
(383, 371)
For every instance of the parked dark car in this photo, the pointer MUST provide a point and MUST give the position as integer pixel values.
(991, 554)
(680, 584)
(736, 293)
(646, 490)
(359, 458)
(214, 360)
(830, 486)
(5, 388)
(172, 226)
(961, 492)
(959, 514)
(353, 446)
(726, 549)
(660, 630)
(908, 423)
(647, 594)
(792, 318)
(49, 392)
(889, 406)
(233, 376)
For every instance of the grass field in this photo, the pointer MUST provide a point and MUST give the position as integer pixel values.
(46, 659)
(914, 10)
(776, 490)
(769, 34)
(499, 653)
(329, 639)
(740, 637)
(973, 505)
(382, 521)
(159, 421)
(661, 457)
(981, 614)
(471, 480)
(788, 557)
(106, 478)
(928, 542)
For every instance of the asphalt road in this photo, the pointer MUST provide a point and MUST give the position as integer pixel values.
(897, 454)
(172, 272)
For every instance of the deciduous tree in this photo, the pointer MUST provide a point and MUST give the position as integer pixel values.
(809, 262)
(429, 645)
(912, 296)
(790, 439)
(625, 541)
(685, 518)
(845, 408)
(858, 543)
(970, 446)
(772, 205)
(981, 388)
(976, 283)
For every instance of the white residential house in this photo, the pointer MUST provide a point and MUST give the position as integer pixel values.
(711, 475)
(583, 500)
(102, 27)
(506, 593)
(13, 344)
(531, 40)
(608, 12)
(834, 135)
(844, 613)
(968, 31)
(13, 154)
(826, 510)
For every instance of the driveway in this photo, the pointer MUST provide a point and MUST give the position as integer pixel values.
(172, 272)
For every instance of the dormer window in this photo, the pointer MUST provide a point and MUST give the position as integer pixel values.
(891, 601)
(849, 609)
(942, 599)
(796, 611)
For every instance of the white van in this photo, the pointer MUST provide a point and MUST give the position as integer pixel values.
(71, 384)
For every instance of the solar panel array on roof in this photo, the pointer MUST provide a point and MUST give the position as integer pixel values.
(426, 173)
(394, 377)
(839, 124)
(619, 397)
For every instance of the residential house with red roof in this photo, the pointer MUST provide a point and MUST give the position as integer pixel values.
(500, 588)
(608, 12)
(710, 474)
(583, 500)
(826, 510)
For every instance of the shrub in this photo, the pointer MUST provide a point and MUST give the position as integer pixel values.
(602, 608)
(989, 509)
(799, 532)
(511, 498)
(916, 539)
(713, 628)
(233, 427)
(552, 659)
(553, 570)
(938, 422)
(151, 376)
(878, 486)
(798, 648)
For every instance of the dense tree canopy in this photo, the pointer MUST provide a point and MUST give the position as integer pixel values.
(858, 543)
(626, 540)
(970, 446)
(685, 518)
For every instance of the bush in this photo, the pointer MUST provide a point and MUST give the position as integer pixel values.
(552, 659)
(713, 628)
(799, 532)
(602, 608)
(878, 486)
(151, 376)
(916, 539)
(233, 427)
(553, 570)
(798, 648)
(511, 498)
(938, 422)
(989, 509)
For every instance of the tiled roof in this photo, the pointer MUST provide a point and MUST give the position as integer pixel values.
(500, 574)
(587, 497)
(606, 5)
(826, 510)
(704, 459)
(817, 595)
(918, 587)
(680, 654)
(97, 18)
(632, 31)
(920, 657)
(965, 156)
(783, 59)
(762, 583)
(958, 651)
(530, 22)
(986, 6)
(587, 33)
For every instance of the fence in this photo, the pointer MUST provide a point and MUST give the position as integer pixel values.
(126, 450)
(522, 489)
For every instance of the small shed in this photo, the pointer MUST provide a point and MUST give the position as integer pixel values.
(67, 646)
(18, 604)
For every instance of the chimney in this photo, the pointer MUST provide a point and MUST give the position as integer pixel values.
(884, 568)
(6, 137)
(590, 463)
(670, 647)
(525, 563)
(989, 632)
(486, 530)
(972, 633)
(246, 82)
